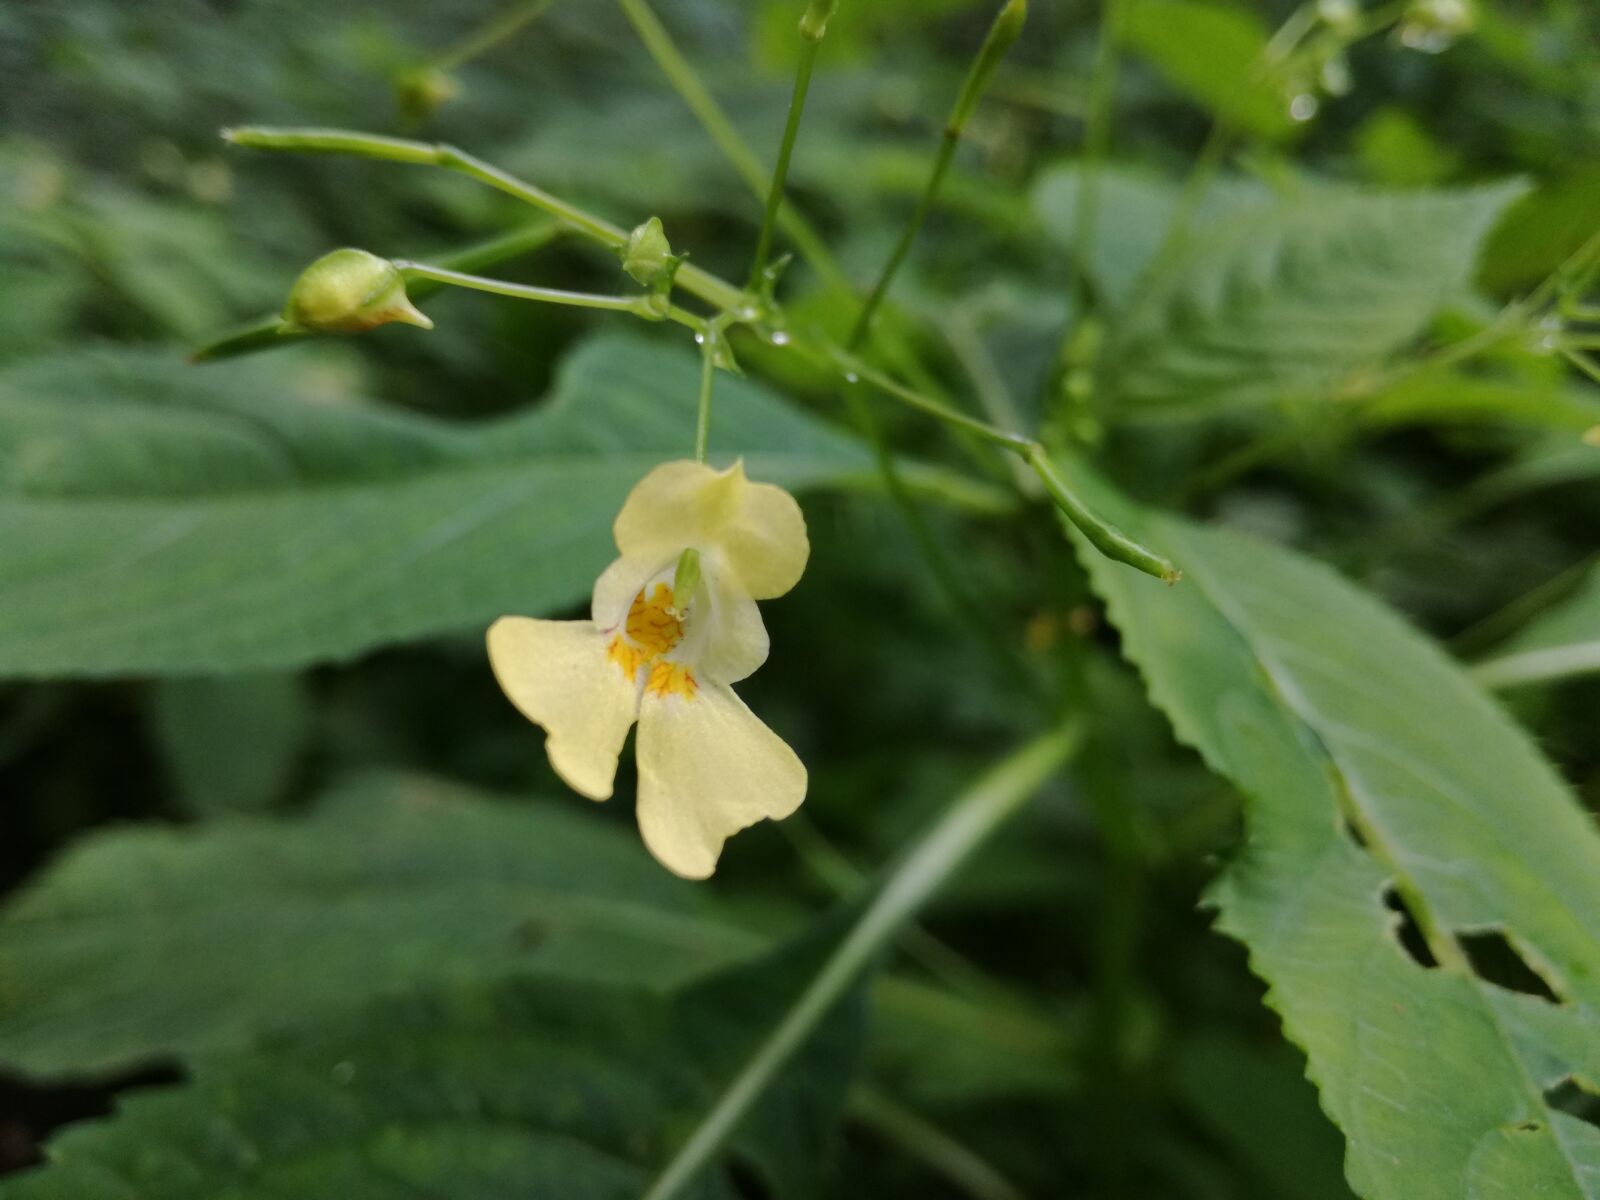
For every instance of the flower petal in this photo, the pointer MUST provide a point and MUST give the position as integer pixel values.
(615, 589)
(708, 768)
(558, 676)
(766, 541)
(758, 527)
(737, 644)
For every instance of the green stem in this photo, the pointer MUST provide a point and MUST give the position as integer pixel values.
(931, 1146)
(687, 84)
(366, 145)
(1581, 361)
(809, 45)
(708, 373)
(733, 302)
(1096, 143)
(640, 305)
(1538, 666)
(506, 25)
(942, 961)
(937, 854)
(1007, 26)
(908, 235)
(1106, 538)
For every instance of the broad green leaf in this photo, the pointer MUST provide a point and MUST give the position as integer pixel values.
(1562, 641)
(1375, 769)
(1215, 52)
(1293, 300)
(1133, 210)
(532, 1088)
(143, 942)
(230, 743)
(157, 518)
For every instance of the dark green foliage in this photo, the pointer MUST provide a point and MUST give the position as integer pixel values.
(292, 904)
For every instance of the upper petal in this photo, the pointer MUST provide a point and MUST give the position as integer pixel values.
(765, 542)
(758, 527)
(708, 768)
(558, 676)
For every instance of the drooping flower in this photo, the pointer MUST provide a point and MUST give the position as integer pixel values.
(667, 641)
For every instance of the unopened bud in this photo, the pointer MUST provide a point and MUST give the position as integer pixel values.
(421, 91)
(1431, 25)
(1341, 15)
(349, 291)
(1002, 34)
(814, 22)
(648, 256)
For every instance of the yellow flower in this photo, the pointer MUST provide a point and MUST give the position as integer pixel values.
(708, 767)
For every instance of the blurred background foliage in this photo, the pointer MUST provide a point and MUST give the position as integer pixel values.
(1075, 1025)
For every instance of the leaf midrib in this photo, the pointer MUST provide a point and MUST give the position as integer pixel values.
(1452, 961)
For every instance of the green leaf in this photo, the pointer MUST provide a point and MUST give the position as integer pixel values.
(144, 942)
(156, 518)
(1294, 300)
(1562, 641)
(231, 743)
(532, 1088)
(1133, 209)
(1374, 770)
(1215, 52)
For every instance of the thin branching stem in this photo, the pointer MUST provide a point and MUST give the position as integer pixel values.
(640, 305)
(1002, 34)
(367, 145)
(703, 104)
(501, 28)
(1096, 142)
(955, 1162)
(810, 43)
(734, 304)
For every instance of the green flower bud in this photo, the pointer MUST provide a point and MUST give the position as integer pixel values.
(648, 256)
(1341, 15)
(421, 91)
(349, 291)
(814, 22)
(1432, 25)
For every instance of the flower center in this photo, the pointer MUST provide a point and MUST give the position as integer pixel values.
(652, 630)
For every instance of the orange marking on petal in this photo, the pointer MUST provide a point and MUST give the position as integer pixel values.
(652, 624)
(671, 679)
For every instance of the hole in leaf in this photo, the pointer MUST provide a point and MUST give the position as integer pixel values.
(1496, 960)
(1354, 834)
(1571, 1097)
(1407, 932)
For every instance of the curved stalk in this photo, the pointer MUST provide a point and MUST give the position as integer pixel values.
(936, 855)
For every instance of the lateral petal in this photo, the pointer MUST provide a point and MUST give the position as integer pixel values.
(558, 676)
